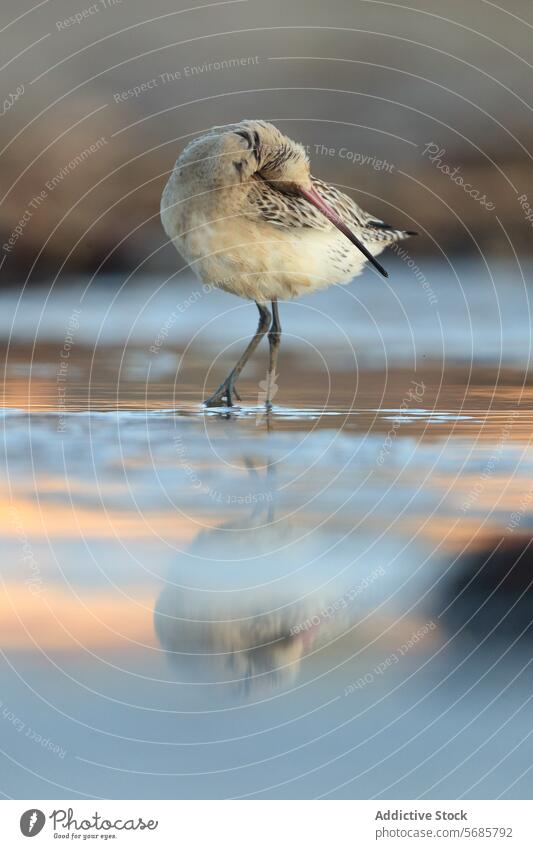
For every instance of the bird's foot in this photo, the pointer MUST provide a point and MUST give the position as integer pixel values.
(223, 395)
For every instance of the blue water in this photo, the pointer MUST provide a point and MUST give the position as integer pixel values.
(210, 604)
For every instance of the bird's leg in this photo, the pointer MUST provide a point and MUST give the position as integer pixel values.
(274, 339)
(227, 388)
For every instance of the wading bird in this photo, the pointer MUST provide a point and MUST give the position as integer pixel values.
(244, 211)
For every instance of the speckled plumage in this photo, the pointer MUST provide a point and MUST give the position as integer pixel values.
(230, 210)
(245, 213)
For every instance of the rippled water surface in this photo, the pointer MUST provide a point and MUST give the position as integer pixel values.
(228, 603)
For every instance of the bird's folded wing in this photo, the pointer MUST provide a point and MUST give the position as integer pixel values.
(368, 226)
(267, 204)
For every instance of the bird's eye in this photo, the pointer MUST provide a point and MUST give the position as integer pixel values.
(246, 136)
(253, 144)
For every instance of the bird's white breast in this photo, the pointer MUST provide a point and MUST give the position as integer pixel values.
(255, 259)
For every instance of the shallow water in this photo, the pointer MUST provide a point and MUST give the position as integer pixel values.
(233, 604)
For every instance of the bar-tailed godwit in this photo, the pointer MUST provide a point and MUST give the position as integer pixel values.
(244, 211)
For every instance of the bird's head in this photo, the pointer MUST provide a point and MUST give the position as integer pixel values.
(235, 155)
(258, 150)
(280, 161)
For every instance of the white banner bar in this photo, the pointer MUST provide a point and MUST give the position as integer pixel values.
(268, 824)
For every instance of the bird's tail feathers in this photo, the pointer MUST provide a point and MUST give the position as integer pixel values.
(381, 232)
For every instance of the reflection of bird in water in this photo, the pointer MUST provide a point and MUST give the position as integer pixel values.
(246, 620)
(224, 642)
(242, 208)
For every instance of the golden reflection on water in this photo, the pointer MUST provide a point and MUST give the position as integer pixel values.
(58, 619)
(482, 410)
(172, 577)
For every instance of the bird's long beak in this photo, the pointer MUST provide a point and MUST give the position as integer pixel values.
(311, 195)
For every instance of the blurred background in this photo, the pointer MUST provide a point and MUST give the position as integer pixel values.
(333, 600)
(374, 79)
